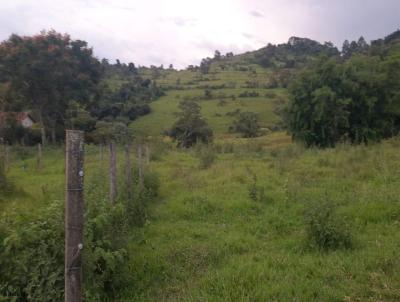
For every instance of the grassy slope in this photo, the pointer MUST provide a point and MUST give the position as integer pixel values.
(164, 109)
(206, 240)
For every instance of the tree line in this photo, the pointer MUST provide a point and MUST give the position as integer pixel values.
(63, 84)
(354, 96)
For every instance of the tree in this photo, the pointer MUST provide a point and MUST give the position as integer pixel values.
(47, 71)
(246, 124)
(362, 45)
(356, 100)
(190, 127)
(205, 65)
(132, 69)
(217, 55)
(346, 52)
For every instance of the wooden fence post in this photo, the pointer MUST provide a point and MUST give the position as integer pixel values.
(39, 157)
(140, 167)
(147, 150)
(7, 158)
(74, 210)
(128, 170)
(101, 152)
(113, 172)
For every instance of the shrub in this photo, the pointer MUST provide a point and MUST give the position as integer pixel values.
(32, 258)
(32, 253)
(190, 128)
(325, 229)
(256, 192)
(249, 94)
(206, 157)
(270, 94)
(151, 183)
(6, 186)
(246, 124)
(137, 206)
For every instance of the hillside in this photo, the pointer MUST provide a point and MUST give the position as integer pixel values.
(241, 219)
(232, 84)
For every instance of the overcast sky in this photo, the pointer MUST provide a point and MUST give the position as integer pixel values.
(184, 31)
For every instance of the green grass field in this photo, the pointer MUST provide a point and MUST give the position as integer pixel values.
(206, 239)
(223, 100)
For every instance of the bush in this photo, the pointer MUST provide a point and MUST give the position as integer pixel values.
(206, 157)
(151, 183)
(325, 229)
(32, 253)
(256, 192)
(32, 258)
(246, 124)
(6, 186)
(249, 94)
(270, 94)
(190, 128)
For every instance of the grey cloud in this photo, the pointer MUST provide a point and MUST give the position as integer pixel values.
(180, 21)
(248, 36)
(161, 31)
(256, 14)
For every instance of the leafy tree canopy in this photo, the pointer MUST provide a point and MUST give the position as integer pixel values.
(356, 100)
(47, 71)
(190, 127)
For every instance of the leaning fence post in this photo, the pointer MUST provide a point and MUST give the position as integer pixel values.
(74, 210)
(113, 172)
(39, 157)
(101, 152)
(6, 158)
(147, 150)
(140, 167)
(128, 170)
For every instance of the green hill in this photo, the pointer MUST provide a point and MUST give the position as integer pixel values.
(242, 219)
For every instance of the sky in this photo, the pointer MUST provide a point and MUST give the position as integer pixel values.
(181, 32)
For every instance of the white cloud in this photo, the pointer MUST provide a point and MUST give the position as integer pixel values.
(184, 31)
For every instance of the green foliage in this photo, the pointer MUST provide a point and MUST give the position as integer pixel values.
(61, 70)
(111, 131)
(256, 191)
(130, 101)
(296, 52)
(206, 155)
(151, 184)
(246, 124)
(31, 256)
(326, 229)
(357, 100)
(6, 185)
(137, 206)
(190, 127)
(83, 121)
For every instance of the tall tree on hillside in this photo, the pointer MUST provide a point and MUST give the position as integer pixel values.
(205, 65)
(190, 128)
(48, 71)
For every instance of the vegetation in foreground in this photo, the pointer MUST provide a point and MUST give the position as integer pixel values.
(244, 228)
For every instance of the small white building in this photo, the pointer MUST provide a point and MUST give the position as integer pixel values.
(22, 118)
